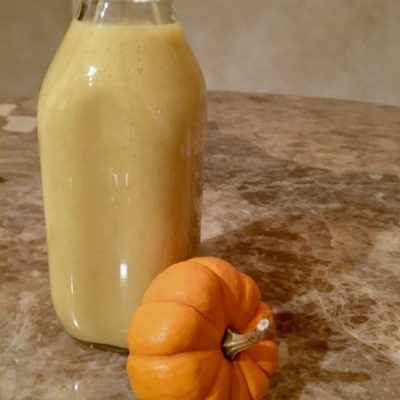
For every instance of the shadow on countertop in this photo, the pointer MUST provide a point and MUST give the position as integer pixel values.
(316, 252)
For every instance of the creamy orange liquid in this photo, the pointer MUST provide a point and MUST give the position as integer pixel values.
(121, 119)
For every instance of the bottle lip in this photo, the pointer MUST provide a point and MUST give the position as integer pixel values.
(137, 1)
(145, 11)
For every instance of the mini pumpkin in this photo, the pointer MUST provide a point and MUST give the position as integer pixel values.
(201, 332)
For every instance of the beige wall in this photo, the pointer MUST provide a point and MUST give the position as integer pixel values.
(30, 31)
(337, 48)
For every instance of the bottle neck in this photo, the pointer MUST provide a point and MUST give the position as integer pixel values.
(126, 11)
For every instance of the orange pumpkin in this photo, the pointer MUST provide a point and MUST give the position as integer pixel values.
(201, 332)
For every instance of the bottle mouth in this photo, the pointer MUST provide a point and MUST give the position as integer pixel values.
(126, 11)
(135, 1)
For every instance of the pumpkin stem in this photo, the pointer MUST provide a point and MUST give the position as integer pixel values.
(234, 342)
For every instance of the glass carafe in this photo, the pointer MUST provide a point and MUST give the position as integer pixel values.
(121, 126)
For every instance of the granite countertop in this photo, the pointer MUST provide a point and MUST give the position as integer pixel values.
(302, 194)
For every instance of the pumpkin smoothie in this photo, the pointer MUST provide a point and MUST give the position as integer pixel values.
(121, 137)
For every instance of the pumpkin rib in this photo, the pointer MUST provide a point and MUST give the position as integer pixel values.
(255, 362)
(246, 286)
(251, 298)
(154, 370)
(194, 271)
(238, 375)
(183, 304)
(218, 280)
(214, 381)
(254, 375)
(220, 390)
(270, 351)
(180, 352)
(236, 296)
(266, 373)
(153, 349)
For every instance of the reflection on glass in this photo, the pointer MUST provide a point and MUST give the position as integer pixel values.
(72, 284)
(123, 272)
(74, 320)
(103, 11)
(92, 71)
(91, 74)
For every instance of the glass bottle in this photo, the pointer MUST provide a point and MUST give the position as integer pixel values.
(121, 121)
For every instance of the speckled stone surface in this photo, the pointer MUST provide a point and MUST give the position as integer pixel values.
(302, 194)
